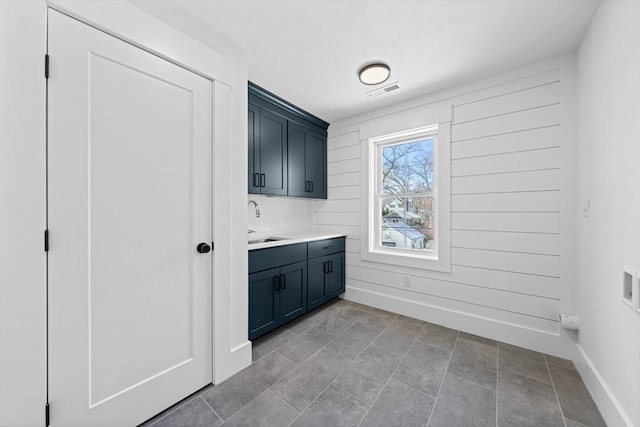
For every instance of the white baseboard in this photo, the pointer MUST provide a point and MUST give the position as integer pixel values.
(610, 409)
(238, 358)
(555, 344)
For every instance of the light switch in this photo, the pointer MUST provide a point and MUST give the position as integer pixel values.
(585, 208)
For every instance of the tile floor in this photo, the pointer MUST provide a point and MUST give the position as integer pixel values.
(351, 365)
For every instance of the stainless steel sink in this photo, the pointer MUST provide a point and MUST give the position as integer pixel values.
(268, 239)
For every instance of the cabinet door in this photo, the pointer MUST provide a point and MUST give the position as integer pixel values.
(293, 291)
(316, 164)
(335, 276)
(253, 117)
(298, 183)
(273, 153)
(316, 290)
(264, 302)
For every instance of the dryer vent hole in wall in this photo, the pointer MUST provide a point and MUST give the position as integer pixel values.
(381, 91)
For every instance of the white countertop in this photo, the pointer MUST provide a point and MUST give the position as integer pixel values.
(291, 238)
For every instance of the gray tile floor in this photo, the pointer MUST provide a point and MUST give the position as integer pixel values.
(351, 365)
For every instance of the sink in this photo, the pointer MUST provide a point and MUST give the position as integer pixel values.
(268, 239)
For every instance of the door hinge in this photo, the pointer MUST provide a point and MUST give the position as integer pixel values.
(46, 414)
(46, 66)
(46, 240)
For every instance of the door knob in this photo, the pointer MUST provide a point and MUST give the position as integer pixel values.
(203, 248)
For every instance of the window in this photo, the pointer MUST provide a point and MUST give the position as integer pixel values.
(408, 217)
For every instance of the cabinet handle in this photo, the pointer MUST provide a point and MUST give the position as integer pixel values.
(327, 247)
(283, 281)
(306, 186)
(311, 187)
(326, 267)
(330, 266)
(276, 282)
(262, 180)
(256, 179)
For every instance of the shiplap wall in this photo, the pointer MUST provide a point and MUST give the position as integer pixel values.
(508, 168)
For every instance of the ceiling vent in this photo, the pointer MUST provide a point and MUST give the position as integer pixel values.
(381, 91)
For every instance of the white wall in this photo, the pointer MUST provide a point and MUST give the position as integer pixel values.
(512, 210)
(609, 176)
(279, 215)
(22, 189)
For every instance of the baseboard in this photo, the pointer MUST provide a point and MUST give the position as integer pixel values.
(610, 409)
(236, 360)
(543, 341)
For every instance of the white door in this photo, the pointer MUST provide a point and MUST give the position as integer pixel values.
(129, 200)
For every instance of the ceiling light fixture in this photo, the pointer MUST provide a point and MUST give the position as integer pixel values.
(374, 74)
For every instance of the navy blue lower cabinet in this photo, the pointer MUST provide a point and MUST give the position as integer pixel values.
(326, 279)
(287, 281)
(264, 302)
(293, 291)
(335, 277)
(276, 297)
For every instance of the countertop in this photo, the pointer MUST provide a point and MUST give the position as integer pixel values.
(291, 238)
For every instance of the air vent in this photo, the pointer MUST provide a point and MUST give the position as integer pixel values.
(388, 88)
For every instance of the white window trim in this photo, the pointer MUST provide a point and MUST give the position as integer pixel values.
(369, 175)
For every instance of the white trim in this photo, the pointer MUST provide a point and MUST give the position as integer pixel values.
(610, 408)
(442, 190)
(519, 335)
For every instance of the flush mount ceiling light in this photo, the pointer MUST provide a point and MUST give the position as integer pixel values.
(374, 74)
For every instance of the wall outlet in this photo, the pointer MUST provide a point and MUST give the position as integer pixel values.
(630, 287)
(406, 281)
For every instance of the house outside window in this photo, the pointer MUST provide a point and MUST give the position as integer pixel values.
(408, 211)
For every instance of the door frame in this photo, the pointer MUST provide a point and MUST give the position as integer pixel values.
(23, 364)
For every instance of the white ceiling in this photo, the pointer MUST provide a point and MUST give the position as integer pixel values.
(308, 52)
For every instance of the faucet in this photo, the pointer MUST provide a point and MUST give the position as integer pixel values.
(251, 231)
(256, 205)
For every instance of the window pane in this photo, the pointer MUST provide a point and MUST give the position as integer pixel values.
(407, 223)
(408, 168)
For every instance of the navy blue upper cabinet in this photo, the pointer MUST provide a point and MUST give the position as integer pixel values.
(287, 148)
(267, 152)
(307, 162)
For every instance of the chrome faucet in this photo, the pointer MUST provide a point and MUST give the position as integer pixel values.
(251, 231)
(256, 205)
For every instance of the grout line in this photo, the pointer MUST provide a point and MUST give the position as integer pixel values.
(394, 372)
(211, 407)
(553, 384)
(340, 373)
(287, 403)
(446, 372)
(352, 395)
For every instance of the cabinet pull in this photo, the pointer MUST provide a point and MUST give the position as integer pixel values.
(276, 282)
(283, 281)
(327, 247)
(262, 180)
(310, 186)
(326, 267)
(330, 266)
(307, 186)
(256, 179)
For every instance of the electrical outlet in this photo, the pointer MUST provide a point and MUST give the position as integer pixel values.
(406, 281)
